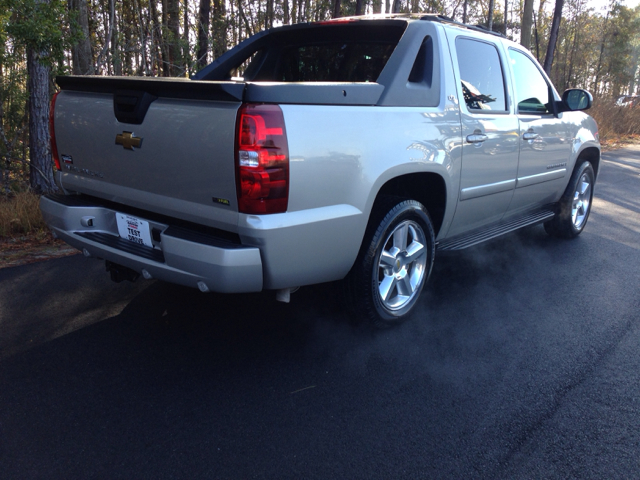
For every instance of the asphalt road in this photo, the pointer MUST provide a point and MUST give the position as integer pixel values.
(523, 363)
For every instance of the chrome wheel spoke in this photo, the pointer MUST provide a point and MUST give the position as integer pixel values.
(386, 287)
(398, 301)
(415, 252)
(400, 237)
(388, 257)
(404, 286)
(416, 275)
(585, 186)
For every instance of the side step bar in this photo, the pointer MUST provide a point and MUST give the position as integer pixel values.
(479, 236)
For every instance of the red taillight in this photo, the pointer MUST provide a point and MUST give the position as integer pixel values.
(52, 132)
(262, 160)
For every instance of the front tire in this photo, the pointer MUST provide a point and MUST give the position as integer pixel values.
(393, 265)
(575, 205)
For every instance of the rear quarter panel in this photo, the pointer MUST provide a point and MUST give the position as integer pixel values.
(340, 157)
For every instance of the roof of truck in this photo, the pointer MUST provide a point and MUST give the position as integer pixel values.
(431, 17)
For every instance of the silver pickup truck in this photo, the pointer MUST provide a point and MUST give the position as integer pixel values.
(351, 149)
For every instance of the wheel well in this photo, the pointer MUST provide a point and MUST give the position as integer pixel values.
(426, 188)
(593, 155)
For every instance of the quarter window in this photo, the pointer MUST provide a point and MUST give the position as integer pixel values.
(532, 91)
(480, 75)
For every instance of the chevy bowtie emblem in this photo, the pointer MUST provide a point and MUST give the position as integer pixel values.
(128, 140)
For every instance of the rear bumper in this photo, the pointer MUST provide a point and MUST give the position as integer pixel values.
(179, 255)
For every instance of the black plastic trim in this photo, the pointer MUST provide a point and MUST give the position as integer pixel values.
(160, 87)
(131, 106)
(197, 237)
(496, 230)
(70, 200)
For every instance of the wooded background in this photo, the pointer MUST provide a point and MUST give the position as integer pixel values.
(578, 46)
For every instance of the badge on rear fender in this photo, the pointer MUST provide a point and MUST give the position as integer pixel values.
(128, 140)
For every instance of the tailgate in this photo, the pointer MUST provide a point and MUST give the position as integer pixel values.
(179, 161)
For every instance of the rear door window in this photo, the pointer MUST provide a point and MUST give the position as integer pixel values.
(481, 76)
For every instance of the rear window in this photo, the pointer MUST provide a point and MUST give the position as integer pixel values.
(331, 53)
(334, 62)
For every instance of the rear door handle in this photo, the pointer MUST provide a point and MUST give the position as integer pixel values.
(476, 138)
(530, 136)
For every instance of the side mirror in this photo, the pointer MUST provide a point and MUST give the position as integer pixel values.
(576, 99)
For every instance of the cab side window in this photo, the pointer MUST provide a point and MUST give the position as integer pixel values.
(481, 75)
(533, 95)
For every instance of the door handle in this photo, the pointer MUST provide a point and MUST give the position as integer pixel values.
(476, 138)
(530, 136)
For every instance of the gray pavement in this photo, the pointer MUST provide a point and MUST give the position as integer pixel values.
(522, 363)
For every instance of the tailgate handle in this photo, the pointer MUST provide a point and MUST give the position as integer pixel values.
(130, 106)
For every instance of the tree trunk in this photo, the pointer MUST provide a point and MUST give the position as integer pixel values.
(490, 19)
(203, 32)
(165, 40)
(537, 38)
(4, 167)
(574, 49)
(103, 57)
(173, 24)
(506, 16)
(41, 172)
(336, 8)
(553, 36)
(219, 30)
(186, 56)
(358, 7)
(157, 45)
(269, 14)
(81, 52)
(464, 11)
(527, 18)
(116, 55)
(596, 82)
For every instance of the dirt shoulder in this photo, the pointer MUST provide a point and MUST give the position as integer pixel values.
(620, 142)
(32, 248)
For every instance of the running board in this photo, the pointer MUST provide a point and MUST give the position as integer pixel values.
(479, 236)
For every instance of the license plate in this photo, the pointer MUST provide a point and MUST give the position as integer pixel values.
(133, 229)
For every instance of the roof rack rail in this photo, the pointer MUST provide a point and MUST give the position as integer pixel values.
(445, 19)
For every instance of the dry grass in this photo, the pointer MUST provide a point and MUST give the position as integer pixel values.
(616, 124)
(20, 216)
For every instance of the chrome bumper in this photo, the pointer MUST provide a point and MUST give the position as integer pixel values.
(179, 255)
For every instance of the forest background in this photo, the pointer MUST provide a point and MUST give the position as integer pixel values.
(580, 45)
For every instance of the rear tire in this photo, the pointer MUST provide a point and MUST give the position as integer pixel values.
(575, 205)
(393, 265)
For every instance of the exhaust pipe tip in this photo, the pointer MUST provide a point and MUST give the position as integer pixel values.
(284, 294)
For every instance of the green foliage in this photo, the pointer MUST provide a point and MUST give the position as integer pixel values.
(38, 25)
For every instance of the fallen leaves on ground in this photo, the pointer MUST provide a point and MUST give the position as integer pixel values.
(32, 248)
